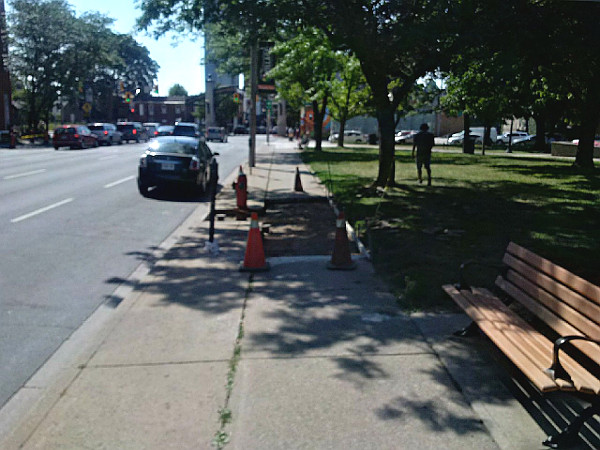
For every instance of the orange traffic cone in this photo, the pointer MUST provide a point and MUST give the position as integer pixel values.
(298, 183)
(254, 259)
(341, 259)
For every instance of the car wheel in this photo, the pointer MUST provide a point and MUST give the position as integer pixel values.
(143, 188)
(110, 141)
(56, 147)
(96, 143)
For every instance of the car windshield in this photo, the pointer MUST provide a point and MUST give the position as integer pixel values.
(124, 127)
(95, 127)
(185, 148)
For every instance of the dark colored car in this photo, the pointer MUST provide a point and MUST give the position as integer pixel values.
(165, 130)
(175, 160)
(106, 133)
(133, 131)
(73, 136)
(240, 129)
(216, 134)
(152, 129)
(186, 129)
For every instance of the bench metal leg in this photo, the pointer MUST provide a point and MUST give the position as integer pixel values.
(470, 330)
(569, 434)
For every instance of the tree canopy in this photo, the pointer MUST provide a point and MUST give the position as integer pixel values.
(56, 55)
(398, 42)
(177, 89)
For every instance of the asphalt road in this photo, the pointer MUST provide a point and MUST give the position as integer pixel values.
(73, 227)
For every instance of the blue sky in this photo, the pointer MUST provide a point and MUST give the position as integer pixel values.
(179, 63)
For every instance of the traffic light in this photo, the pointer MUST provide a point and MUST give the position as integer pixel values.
(236, 97)
(156, 88)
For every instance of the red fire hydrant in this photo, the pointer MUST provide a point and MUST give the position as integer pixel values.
(241, 190)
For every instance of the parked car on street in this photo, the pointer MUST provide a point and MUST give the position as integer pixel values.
(151, 129)
(73, 136)
(351, 137)
(504, 138)
(475, 133)
(175, 160)
(240, 129)
(189, 129)
(133, 131)
(216, 134)
(106, 133)
(405, 136)
(165, 130)
(458, 138)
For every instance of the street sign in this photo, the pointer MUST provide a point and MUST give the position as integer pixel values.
(87, 107)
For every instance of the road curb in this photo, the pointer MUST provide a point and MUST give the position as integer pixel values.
(26, 409)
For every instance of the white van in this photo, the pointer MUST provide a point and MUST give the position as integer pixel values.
(475, 132)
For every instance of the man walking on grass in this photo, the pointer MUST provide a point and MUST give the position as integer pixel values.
(423, 143)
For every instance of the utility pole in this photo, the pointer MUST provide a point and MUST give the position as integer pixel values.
(5, 87)
(253, 93)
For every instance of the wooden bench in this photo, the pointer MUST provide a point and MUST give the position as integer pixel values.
(560, 351)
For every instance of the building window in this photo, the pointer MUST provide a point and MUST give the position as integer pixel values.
(150, 109)
(177, 110)
(141, 109)
(163, 109)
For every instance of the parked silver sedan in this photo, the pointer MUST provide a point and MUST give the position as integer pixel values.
(106, 133)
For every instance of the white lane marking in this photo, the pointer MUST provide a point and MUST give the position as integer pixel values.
(104, 158)
(109, 185)
(42, 210)
(24, 174)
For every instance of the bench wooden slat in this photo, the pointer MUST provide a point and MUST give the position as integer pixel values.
(571, 280)
(560, 326)
(563, 309)
(573, 299)
(512, 334)
(539, 348)
(531, 343)
(542, 381)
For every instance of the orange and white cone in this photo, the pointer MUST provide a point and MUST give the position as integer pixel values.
(340, 258)
(298, 182)
(254, 259)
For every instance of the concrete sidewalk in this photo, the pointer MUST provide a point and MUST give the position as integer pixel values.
(199, 354)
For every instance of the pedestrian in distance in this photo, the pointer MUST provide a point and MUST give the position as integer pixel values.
(423, 143)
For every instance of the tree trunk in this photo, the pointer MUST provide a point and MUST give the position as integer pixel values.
(343, 119)
(585, 148)
(319, 115)
(467, 144)
(540, 132)
(386, 174)
(486, 137)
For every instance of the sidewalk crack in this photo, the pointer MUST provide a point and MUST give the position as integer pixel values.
(222, 437)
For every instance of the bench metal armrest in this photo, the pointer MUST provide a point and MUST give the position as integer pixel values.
(556, 370)
(462, 281)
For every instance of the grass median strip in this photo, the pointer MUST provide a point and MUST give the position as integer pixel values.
(222, 437)
(419, 235)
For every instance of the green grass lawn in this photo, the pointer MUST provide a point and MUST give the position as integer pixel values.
(418, 235)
